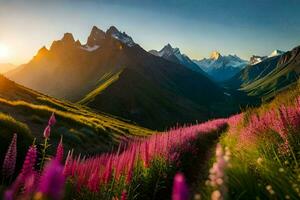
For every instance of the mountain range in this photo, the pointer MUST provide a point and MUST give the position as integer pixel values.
(257, 59)
(221, 68)
(271, 75)
(174, 55)
(113, 74)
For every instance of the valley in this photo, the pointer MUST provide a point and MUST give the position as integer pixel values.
(149, 100)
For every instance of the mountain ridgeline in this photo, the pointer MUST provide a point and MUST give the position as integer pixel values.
(268, 75)
(221, 68)
(113, 74)
(174, 55)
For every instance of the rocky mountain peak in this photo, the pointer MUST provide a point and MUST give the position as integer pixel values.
(95, 37)
(215, 55)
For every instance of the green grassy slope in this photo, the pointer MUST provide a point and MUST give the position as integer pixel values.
(269, 77)
(28, 112)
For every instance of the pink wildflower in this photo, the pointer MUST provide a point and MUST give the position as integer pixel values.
(52, 180)
(180, 189)
(60, 151)
(47, 131)
(9, 163)
(52, 120)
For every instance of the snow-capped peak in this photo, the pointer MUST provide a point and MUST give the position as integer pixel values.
(174, 55)
(215, 55)
(216, 60)
(257, 59)
(276, 53)
(122, 37)
(168, 50)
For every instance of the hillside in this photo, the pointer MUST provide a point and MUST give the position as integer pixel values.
(269, 76)
(26, 112)
(111, 73)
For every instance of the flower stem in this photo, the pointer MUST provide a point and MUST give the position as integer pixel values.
(45, 145)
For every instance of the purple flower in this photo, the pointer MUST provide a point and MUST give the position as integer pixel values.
(8, 195)
(180, 190)
(52, 180)
(52, 120)
(9, 163)
(124, 195)
(60, 152)
(30, 185)
(47, 131)
(29, 162)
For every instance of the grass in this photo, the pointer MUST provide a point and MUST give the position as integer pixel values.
(263, 166)
(9, 126)
(104, 82)
(81, 127)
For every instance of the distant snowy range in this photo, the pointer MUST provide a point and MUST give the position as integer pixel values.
(218, 67)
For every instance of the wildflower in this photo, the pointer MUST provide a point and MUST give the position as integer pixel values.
(47, 131)
(26, 171)
(52, 120)
(8, 195)
(180, 190)
(286, 162)
(217, 175)
(124, 195)
(29, 185)
(216, 195)
(94, 182)
(52, 180)
(60, 151)
(259, 160)
(29, 162)
(281, 169)
(9, 163)
(197, 197)
(270, 189)
(68, 167)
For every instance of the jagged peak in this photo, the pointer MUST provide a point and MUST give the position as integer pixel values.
(78, 43)
(276, 52)
(95, 37)
(122, 37)
(96, 31)
(43, 50)
(112, 30)
(168, 49)
(215, 55)
(68, 37)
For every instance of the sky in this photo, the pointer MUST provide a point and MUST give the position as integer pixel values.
(197, 27)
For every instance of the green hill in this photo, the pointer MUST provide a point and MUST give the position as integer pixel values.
(270, 76)
(26, 112)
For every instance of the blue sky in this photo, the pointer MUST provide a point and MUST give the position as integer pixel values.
(197, 27)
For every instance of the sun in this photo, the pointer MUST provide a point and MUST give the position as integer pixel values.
(4, 51)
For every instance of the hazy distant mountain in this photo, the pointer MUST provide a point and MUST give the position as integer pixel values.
(269, 76)
(113, 74)
(5, 67)
(174, 55)
(221, 68)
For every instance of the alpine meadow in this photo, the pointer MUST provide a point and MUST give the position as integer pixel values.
(149, 100)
